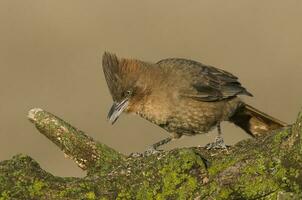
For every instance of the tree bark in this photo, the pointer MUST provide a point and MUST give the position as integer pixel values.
(268, 167)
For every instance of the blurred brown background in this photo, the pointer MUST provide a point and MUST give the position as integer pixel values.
(50, 58)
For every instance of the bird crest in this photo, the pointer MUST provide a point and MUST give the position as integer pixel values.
(120, 74)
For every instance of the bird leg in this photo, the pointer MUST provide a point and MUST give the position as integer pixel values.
(161, 142)
(153, 148)
(219, 142)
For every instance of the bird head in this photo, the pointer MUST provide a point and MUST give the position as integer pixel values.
(122, 77)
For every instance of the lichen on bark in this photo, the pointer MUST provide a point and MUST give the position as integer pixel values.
(268, 167)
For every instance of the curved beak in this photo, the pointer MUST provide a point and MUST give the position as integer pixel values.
(116, 110)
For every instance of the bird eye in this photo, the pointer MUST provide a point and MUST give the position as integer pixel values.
(128, 92)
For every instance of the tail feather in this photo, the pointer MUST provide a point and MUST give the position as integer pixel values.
(255, 122)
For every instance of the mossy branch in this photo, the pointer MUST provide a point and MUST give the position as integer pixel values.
(86, 152)
(269, 167)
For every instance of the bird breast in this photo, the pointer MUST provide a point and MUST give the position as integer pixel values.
(156, 107)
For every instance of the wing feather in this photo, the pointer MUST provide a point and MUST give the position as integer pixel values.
(209, 83)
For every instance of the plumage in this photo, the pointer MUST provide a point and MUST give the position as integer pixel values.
(182, 96)
(211, 83)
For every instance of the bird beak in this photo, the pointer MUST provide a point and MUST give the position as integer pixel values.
(116, 110)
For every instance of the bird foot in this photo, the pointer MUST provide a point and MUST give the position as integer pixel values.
(149, 151)
(217, 144)
(136, 155)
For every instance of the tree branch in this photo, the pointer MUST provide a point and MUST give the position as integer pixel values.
(87, 153)
(268, 167)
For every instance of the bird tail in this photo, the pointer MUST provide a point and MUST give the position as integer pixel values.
(255, 122)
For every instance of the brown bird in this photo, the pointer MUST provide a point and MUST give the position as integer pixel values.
(182, 96)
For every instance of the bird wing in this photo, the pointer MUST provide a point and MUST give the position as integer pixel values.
(208, 83)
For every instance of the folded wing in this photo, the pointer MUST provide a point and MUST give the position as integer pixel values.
(208, 83)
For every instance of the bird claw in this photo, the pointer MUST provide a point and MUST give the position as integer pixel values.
(217, 144)
(136, 155)
(150, 151)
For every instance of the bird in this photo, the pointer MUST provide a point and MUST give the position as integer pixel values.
(182, 96)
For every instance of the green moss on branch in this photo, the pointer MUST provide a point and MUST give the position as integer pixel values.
(265, 168)
(86, 152)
